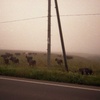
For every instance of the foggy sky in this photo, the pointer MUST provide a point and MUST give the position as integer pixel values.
(81, 33)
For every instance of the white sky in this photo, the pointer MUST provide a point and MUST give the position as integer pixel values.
(81, 33)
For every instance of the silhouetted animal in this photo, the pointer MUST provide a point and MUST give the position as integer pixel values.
(85, 71)
(32, 62)
(6, 61)
(14, 60)
(69, 57)
(17, 54)
(32, 53)
(4, 56)
(59, 61)
(8, 54)
(29, 58)
(29, 53)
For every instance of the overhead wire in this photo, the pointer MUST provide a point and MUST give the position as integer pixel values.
(69, 15)
(96, 14)
(23, 19)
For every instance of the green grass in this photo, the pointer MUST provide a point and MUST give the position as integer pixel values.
(50, 75)
(55, 72)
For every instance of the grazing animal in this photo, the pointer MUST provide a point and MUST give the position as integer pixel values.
(69, 57)
(14, 60)
(59, 61)
(32, 62)
(6, 61)
(8, 54)
(30, 53)
(17, 54)
(4, 56)
(29, 58)
(85, 71)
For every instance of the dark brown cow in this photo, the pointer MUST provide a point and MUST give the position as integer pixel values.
(29, 58)
(69, 57)
(59, 61)
(4, 56)
(85, 71)
(8, 54)
(32, 62)
(14, 60)
(6, 61)
(17, 54)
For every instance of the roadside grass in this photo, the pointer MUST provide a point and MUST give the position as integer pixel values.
(55, 72)
(50, 75)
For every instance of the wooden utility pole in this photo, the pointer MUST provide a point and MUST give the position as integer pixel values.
(49, 34)
(61, 35)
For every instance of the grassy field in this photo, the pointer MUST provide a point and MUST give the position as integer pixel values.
(55, 72)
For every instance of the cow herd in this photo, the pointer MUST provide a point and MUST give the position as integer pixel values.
(83, 71)
(8, 58)
(13, 58)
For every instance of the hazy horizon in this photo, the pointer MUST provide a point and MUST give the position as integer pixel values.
(22, 29)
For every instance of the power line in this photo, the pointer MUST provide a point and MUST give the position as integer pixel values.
(73, 15)
(96, 14)
(83, 14)
(23, 19)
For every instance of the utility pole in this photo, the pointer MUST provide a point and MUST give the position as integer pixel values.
(49, 34)
(61, 35)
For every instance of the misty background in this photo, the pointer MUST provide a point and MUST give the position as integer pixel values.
(23, 25)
